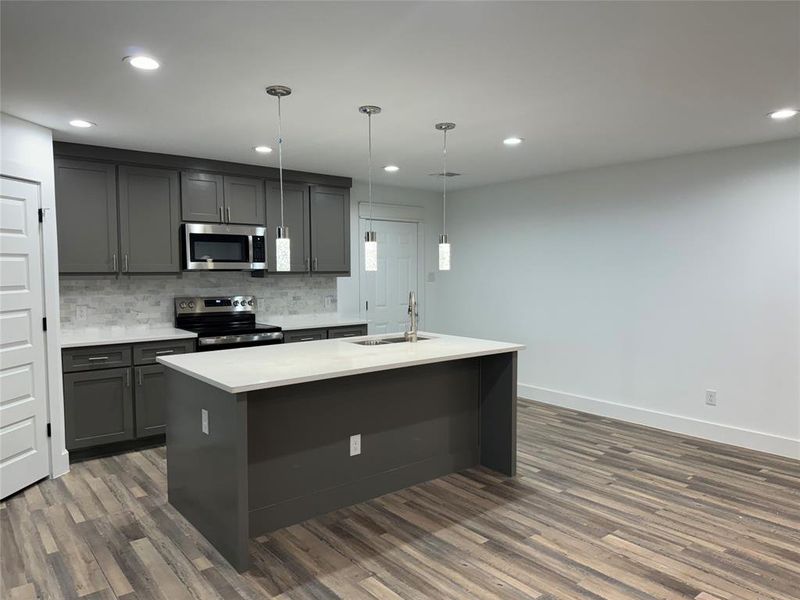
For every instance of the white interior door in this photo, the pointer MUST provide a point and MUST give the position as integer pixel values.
(385, 292)
(23, 402)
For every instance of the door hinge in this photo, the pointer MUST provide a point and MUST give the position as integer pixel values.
(49, 430)
(367, 304)
(44, 323)
(41, 215)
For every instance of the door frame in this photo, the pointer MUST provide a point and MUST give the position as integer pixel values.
(27, 155)
(395, 212)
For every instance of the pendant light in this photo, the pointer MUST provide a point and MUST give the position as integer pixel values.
(283, 259)
(444, 244)
(370, 238)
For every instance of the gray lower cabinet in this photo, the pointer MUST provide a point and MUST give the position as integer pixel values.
(115, 393)
(150, 396)
(330, 229)
(295, 217)
(149, 219)
(86, 201)
(98, 407)
(244, 200)
(202, 197)
(310, 335)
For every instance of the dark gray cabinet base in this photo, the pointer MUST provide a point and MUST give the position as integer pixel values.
(279, 456)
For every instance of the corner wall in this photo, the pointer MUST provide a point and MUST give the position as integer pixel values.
(638, 287)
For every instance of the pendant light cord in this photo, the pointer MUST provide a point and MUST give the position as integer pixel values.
(369, 167)
(280, 156)
(444, 184)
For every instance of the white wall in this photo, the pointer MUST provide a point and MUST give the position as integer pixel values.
(637, 287)
(430, 202)
(26, 152)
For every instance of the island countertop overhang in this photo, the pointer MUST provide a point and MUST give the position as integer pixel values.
(243, 370)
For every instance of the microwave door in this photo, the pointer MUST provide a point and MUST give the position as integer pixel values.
(212, 247)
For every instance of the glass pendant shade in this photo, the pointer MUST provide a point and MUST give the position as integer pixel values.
(370, 251)
(444, 253)
(283, 258)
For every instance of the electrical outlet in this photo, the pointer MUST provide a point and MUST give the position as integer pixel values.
(204, 420)
(355, 444)
(81, 313)
(330, 300)
(711, 397)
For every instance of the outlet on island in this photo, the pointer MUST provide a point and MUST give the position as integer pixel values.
(355, 444)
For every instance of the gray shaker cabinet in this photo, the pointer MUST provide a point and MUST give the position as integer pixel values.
(244, 200)
(151, 395)
(202, 197)
(296, 218)
(330, 229)
(149, 205)
(98, 407)
(86, 209)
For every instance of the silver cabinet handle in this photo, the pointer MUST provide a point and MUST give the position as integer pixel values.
(98, 358)
(228, 212)
(315, 264)
(125, 263)
(307, 263)
(114, 261)
(127, 378)
(221, 217)
(158, 352)
(308, 339)
(139, 373)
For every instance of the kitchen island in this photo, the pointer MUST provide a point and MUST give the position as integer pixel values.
(260, 438)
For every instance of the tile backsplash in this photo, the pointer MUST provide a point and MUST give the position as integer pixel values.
(129, 300)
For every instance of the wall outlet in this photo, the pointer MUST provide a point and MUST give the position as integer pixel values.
(355, 444)
(204, 420)
(81, 313)
(711, 397)
(329, 301)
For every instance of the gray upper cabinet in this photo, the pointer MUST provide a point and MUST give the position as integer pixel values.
(202, 197)
(295, 217)
(330, 229)
(149, 205)
(86, 208)
(244, 200)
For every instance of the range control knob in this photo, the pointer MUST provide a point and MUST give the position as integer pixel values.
(250, 302)
(236, 303)
(191, 304)
(183, 305)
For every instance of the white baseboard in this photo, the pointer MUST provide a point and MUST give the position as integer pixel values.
(726, 434)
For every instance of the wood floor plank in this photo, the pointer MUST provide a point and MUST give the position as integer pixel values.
(599, 509)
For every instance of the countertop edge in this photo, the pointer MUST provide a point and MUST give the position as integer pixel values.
(128, 339)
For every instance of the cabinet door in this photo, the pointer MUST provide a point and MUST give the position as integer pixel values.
(346, 332)
(330, 230)
(201, 197)
(86, 210)
(295, 217)
(244, 200)
(151, 393)
(98, 407)
(304, 335)
(150, 220)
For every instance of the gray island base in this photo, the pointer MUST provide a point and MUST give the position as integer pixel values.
(278, 456)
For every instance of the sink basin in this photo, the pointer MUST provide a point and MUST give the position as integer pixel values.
(385, 341)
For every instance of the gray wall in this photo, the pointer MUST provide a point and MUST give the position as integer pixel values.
(638, 287)
(148, 299)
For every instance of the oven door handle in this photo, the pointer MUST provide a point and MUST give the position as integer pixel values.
(239, 339)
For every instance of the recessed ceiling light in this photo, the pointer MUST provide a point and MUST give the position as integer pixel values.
(391, 168)
(81, 123)
(784, 113)
(263, 149)
(140, 61)
(512, 141)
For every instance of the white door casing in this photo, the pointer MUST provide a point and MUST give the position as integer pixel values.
(23, 400)
(386, 291)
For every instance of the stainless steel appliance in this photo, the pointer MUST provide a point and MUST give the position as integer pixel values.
(223, 247)
(224, 322)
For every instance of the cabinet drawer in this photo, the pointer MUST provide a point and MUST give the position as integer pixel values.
(304, 335)
(95, 357)
(345, 332)
(145, 353)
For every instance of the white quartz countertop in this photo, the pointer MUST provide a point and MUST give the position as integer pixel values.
(312, 321)
(96, 336)
(260, 367)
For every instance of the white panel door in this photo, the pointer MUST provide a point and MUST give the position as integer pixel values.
(386, 291)
(23, 401)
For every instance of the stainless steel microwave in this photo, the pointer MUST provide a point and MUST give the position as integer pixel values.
(223, 247)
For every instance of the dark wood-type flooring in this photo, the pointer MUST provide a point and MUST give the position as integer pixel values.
(600, 509)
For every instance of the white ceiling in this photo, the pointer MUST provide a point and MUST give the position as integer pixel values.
(585, 84)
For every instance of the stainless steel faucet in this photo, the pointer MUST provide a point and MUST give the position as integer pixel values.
(413, 318)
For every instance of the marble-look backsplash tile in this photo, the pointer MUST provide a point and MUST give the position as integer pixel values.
(104, 300)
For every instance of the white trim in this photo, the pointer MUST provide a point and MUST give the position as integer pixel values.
(392, 212)
(726, 434)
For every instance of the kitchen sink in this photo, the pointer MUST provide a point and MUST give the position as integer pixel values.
(385, 341)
